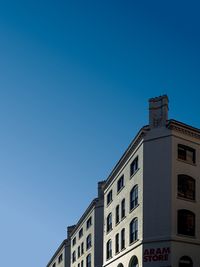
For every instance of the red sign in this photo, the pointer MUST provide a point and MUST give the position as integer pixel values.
(158, 254)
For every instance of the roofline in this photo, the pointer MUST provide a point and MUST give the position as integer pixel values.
(126, 154)
(64, 243)
(188, 129)
(89, 208)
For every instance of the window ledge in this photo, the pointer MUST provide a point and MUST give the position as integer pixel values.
(109, 203)
(188, 162)
(117, 223)
(133, 242)
(187, 236)
(187, 199)
(109, 231)
(123, 218)
(134, 208)
(134, 173)
(120, 189)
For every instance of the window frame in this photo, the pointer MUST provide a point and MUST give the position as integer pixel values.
(185, 152)
(120, 183)
(134, 166)
(133, 230)
(133, 197)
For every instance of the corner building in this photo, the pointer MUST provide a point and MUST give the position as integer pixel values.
(152, 197)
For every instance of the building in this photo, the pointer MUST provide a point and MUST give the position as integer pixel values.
(152, 197)
(87, 236)
(61, 257)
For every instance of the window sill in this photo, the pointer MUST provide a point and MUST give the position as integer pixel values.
(122, 249)
(109, 231)
(188, 162)
(120, 189)
(109, 203)
(117, 223)
(187, 236)
(134, 173)
(123, 218)
(187, 199)
(133, 242)
(134, 208)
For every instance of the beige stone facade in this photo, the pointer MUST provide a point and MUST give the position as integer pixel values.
(147, 213)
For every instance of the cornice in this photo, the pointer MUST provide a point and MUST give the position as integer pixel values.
(183, 128)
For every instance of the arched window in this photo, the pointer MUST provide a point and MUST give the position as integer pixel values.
(117, 214)
(134, 262)
(120, 265)
(186, 222)
(186, 187)
(185, 261)
(134, 197)
(123, 209)
(123, 238)
(109, 222)
(109, 249)
(88, 260)
(133, 230)
(88, 241)
(116, 243)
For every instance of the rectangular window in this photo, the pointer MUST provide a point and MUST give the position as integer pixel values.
(123, 211)
(117, 243)
(109, 197)
(122, 238)
(134, 166)
(120, 183)
(109, 222)
(186, 153)
(79, 252)
(74, 241)
(74, 256)
(60, 258)
(82, 248)
(80, 234)
(117, 214)
(89, 223)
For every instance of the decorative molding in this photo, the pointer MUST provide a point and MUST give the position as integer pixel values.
(184, 129)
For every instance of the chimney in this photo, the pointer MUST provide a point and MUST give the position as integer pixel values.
(158, 111)
(100, 189)
(69, 230)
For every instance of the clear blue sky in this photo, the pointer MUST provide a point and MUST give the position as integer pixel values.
(75, 77)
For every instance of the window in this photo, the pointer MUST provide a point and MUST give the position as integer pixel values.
(123, 211)
(186, 187)
(134, 197)
(134, 262)
(82, 248)
(89, 222)
(109, 197)
(133, 230)
(82, 264)
(78, 264)
(186, 153)
(185, 261)
(186, 223)
(109, 222)
(134, 166)
(109, 249)
(74, 256)
(79, 252)
(88, 241)
(120, 183)
(60, 258)
(80, 233)
(122, 238)
(88, 261)
(117, 243)
(117, 214)
(74, 241)
(54, 265)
